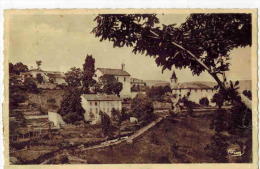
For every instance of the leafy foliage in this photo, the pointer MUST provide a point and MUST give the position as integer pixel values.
(38, 63)
(74, 77)
(142, 108)
(88, 73)
(71, 109)
(105, 122)
(157, 93)
(204, 101)
(209, 37)
(248, 94)
(17, 68)
(218, 99)
(109, 85)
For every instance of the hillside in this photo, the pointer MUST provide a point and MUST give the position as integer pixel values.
(48, 99)
(156, 83)
(170, 142)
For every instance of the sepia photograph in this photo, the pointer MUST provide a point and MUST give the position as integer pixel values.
(122, 87)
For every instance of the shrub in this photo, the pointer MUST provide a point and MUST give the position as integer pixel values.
(71, 109)
(218, 99)
(142, 108)
(204, 101)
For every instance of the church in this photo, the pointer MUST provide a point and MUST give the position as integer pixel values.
(121, 75)
(197, 90)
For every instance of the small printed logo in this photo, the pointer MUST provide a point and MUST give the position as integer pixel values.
(235, 153)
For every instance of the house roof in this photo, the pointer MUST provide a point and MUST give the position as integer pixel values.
(97, 97)
(196, 85)
(135, 80)
(115, 72)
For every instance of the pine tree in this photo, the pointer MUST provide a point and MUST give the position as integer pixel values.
(88, 73)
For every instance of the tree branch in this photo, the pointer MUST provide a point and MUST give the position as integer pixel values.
(246, 101)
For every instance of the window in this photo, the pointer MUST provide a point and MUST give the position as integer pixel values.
(124, 79)
(95, 103)
(117, 78)
(90, 103)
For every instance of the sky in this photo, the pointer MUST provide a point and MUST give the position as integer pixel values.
(63, 41)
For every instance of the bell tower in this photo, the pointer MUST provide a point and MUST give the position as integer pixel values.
(174, 81)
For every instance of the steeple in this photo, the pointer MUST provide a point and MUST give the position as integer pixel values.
(174, 76)
(174, 80)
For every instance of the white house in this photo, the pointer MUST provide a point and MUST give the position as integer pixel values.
(94, 103)
(48, 76)
(121, 75)
(197, 90)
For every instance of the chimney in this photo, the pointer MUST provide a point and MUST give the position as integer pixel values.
(123, 66)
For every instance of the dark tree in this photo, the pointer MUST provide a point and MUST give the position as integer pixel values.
(17, 68)
(106, 123)
(158, 93)
(201, 43)
(74, 77)
(39, 63)
(142, 107)
(16, 94)
(71, 109)
(204, 101)
(29, 85)
(110, 85)
(218, 99)
(88, 73)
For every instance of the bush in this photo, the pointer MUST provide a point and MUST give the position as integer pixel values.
(204, 101)
(142, 108)
(218, 99)
(71, 109)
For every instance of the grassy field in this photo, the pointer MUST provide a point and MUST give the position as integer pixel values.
(181, 141)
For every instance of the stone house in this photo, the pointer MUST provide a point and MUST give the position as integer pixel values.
(121, 75)
(94, 103)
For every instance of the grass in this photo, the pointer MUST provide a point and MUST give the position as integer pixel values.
(181, 142)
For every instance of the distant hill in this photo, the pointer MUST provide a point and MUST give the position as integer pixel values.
(156, 83)
(243, 85)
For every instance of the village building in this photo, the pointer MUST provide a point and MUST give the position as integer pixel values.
(197, 90)
(137, 86)
(137, 82)
(121, 75)
(54, 77)
(94, 103)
